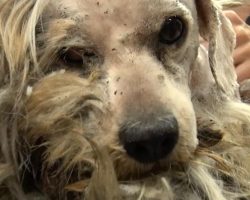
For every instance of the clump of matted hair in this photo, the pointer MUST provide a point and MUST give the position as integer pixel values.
(219, 169)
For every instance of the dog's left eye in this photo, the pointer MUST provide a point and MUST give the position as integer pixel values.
(172, 30)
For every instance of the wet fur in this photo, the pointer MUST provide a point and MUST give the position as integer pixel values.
(58, 130)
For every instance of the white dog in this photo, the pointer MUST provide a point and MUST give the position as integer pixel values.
(117, 100)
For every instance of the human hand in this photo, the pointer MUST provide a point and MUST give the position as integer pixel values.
(241, 53)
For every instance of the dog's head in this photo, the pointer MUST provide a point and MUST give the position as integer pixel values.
(143, 53)
(129, 76)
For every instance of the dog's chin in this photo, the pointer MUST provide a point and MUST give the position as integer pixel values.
(128, 169)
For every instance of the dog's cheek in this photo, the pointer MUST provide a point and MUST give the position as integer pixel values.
(177, 97)
(187, 131)
(57, 102)
(62, 113)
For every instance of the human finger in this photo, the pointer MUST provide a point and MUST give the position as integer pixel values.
(241, 53)
(243, 71)
(233, 17)
(242, 34)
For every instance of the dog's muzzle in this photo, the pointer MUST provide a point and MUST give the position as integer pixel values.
(150, 140)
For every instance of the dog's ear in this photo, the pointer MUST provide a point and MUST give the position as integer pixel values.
(216, 29)
(213, 80)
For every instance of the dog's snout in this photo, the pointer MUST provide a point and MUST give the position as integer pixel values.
(152, 141)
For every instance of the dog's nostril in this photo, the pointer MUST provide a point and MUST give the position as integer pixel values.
(136, 148)
(150, 142)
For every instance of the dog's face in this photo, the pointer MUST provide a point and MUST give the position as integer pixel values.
(123, 77)
(143, 53)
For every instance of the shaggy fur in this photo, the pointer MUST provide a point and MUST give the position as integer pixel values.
(59, 121)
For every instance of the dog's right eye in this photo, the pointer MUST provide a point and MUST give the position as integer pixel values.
(77, 56)
(172, 30)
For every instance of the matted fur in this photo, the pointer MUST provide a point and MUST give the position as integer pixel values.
(58, 130)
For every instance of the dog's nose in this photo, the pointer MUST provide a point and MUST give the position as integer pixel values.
(152, 141)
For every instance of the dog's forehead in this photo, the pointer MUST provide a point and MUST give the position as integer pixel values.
(104, 19)
(119, 12)
(138, 8)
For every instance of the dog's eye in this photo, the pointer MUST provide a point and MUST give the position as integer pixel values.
(71, 56)
(76, 56)
(172, 30)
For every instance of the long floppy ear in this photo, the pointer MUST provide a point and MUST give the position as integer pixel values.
(218, 31)
(213, 81)
(18, 20)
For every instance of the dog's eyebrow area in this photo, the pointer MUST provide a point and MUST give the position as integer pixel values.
(98, 21)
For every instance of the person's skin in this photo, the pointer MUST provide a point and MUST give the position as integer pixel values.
(243, 11)
(241, 53)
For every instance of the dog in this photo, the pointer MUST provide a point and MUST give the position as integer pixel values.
(118, 100)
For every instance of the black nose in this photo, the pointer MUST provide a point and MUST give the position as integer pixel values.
(150, 141)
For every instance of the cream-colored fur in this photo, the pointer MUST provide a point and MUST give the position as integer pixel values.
(59, 121)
